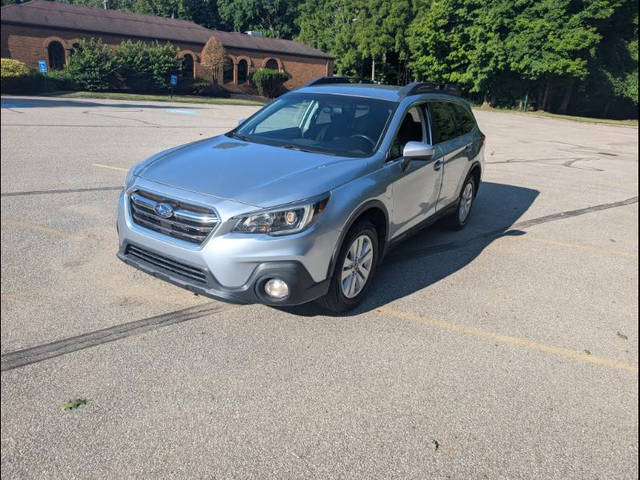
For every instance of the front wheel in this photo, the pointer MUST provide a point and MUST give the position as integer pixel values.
(459, 219)
(354, 270)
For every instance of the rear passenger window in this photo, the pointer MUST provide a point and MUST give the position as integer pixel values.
(443, 122)
(464, 120)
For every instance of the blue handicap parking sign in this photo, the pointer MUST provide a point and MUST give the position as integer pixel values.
(174, 80)
(43, 66)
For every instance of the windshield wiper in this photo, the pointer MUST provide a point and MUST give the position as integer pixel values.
(238, 136)
(295, 147)
(310, 150)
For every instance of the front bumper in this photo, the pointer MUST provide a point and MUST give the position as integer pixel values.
(302, 288)
(229, 266)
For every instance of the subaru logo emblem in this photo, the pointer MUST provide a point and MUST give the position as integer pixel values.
(164, 210)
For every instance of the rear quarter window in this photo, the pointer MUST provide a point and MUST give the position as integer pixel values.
(443, 122)
(464, 119)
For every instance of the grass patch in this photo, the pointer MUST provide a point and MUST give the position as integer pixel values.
(543, 114)
(73, 404)
(160, 98)
(628, 123)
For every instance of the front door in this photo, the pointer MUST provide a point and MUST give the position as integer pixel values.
(416, 188)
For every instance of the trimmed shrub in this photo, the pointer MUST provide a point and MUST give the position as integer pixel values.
(91, 66)
(269, 82)
(17, 77)
(198, 86)
(60, 80)
(146, 67)
(13, 68)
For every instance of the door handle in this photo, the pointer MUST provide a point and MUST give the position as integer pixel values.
(468, 148)
(437, 165)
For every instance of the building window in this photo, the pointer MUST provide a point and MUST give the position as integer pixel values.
(272, 63)
(56, 55)
(227, 70)
(74, 48)
(187, 66)
(243, 69)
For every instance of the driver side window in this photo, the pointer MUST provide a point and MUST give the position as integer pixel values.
(411, 130)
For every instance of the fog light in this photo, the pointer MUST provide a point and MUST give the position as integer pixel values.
(276, 288)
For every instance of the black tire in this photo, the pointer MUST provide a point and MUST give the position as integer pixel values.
(454, 220)
(335, 300)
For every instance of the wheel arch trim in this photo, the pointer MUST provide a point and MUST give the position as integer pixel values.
(352, 219)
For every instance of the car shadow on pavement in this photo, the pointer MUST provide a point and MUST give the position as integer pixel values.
(437, 252)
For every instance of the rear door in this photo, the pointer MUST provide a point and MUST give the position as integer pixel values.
(452, 148)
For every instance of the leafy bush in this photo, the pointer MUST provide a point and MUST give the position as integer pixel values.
(269, 82)
(17, 77)
(197, 86)
(91, 66)
(13, 68)
(60, 80)
(131, 66)
(146, 67)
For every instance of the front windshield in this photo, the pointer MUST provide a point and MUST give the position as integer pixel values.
(333, 124)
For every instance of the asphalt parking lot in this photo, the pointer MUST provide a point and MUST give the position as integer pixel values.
(508, 350)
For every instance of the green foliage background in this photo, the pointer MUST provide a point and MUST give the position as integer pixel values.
(566, 56)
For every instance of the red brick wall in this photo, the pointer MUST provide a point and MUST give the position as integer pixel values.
(29, 44)
(300, 69)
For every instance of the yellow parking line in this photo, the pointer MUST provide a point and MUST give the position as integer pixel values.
(40, 228)
(522, 342)
(578, 246)
(110, 167)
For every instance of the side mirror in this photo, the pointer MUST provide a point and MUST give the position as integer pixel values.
(416, 151)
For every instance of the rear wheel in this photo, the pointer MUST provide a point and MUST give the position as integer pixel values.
(355, 268)
(461, 216)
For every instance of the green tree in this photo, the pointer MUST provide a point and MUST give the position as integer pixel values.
(379, 29)
(506, 50)
(203, 12)
(613, 72)
(552, 41)
(360, 33)
(328, 26)
(274, 18)
(439, 44)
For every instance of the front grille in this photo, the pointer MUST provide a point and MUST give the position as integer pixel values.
(193, 273)
(192, 223)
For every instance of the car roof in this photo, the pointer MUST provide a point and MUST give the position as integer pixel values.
(391, 93)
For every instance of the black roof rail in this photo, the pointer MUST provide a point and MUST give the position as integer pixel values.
(330, 80)
(417, 88)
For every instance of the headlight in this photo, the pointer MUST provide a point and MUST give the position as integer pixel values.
(282, 220)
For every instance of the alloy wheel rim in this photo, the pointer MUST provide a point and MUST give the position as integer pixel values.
(356, 267)
(465, 202)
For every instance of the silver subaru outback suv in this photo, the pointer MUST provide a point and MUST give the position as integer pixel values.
(301, 201)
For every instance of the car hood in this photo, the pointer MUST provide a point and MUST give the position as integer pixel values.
(256, 174)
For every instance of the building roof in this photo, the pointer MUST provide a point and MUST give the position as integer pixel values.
(42, 13)
(267, 44)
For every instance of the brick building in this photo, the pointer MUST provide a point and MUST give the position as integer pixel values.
(45, 30)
